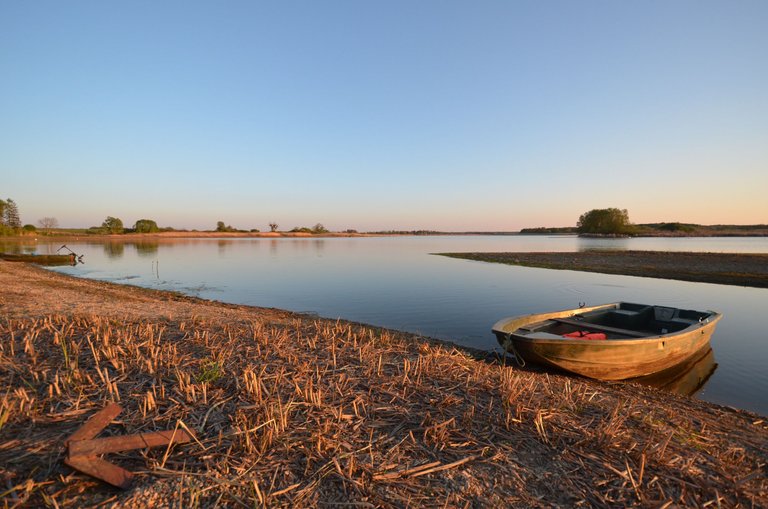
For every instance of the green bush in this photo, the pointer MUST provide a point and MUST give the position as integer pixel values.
(145, 226)
(610, 221)
(113, 225)
(221, 227)
(676, 227)
(319, 228)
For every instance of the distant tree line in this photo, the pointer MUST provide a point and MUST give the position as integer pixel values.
(408, 232)
(10, 224)
(318, 228)
(613, 221)
(547, 230)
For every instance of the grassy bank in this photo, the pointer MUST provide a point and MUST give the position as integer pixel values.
(720, 268)
(291, 410)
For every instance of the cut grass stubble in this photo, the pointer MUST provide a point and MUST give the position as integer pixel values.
(291, 410)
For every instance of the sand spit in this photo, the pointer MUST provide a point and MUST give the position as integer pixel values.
(741, 269)
(291, 410)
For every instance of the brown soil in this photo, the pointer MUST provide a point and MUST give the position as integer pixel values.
(720, 268)
(291, 410)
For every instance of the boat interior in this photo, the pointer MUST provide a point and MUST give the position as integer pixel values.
(624, 321)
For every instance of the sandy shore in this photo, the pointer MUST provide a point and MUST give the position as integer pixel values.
(291, 410)
(720, 268)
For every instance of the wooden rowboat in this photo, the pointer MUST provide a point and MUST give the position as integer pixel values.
(55, 259)
(608, 342)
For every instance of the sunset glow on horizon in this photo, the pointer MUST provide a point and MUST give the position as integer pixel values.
(450, 116)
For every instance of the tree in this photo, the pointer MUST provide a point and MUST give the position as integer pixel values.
(47, 223)
(221, 227)
(2, 212)
(319, 228)
(145, 226)
(11, 215)
(113, 225)
(605, 221)
(273, 227)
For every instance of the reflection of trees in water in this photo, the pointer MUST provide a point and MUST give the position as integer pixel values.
(147, 247)
(297, 244)
(10, 248)
(223, 244)
(305, 244)
(20, 247)
(114, 249)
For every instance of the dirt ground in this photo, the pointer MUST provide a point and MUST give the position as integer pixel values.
(720, 268)
(291, 410)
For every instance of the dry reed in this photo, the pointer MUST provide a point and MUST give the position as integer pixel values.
(291, 410)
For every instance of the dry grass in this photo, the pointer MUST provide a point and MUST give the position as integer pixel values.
(295, 411)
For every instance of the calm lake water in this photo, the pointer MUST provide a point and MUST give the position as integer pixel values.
(396, 282)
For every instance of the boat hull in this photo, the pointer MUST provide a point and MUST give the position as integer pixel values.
(56, 259)
(614, 359)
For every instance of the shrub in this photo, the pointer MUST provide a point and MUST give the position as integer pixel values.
(610, 221)
(319, 228)
(221, 227)
(676, 227)
(113, 225)
(145, 226)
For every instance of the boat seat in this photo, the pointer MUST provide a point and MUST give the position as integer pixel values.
(543, 335)
(603, 328)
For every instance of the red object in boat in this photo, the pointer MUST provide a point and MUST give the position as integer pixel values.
(583, 334)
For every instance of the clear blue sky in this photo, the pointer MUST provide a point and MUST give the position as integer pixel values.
(473, 115)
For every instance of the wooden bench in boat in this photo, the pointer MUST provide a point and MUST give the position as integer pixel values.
(602, 328)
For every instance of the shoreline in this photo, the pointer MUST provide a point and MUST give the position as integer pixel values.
(739, 269)
(192, 234)
(291, 409)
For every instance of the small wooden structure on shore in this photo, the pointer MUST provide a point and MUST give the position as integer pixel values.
(55, 259)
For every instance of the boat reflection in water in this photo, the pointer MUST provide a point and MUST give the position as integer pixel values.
(686, 378)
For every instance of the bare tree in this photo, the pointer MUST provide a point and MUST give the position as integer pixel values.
(47, 223)
(273, 227)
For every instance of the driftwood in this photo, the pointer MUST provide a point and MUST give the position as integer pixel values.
(82, 447)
